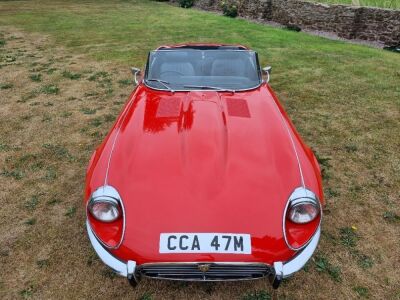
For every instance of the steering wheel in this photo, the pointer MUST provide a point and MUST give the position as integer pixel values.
(175, 72)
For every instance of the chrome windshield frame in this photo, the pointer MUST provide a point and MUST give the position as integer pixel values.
(259, 71)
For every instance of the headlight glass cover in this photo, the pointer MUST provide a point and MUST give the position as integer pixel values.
(104, 209)
(303, 212)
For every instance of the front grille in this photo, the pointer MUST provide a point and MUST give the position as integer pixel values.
(205, 271)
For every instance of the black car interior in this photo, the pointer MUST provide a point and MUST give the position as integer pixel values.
(224, 68)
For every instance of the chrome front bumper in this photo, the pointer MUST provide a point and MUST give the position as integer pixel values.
(125, 269)
(282, 269)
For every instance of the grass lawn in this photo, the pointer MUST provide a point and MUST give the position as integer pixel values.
(64, 76)
(392, 4)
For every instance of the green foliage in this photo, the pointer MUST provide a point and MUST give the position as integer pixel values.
(323, 265)
(186, 3)
(53, 201)
(88, 111)
(50, 89)
(229, 8)
(51, 71)
(9, 58)
(98, 75)
(146, 296)
(348, 237)
(324, 165)
(42, 263)
(361, 291)
(16, 174)
(58, 151)
(257, 295)
(96, 122)
(70, 212)
(32, 203)
(364, 261)
(391, 216)
(36, 77)
(124, 82)
(31, 221)
(6, 86)
(70, 75)
(66, 114)
(4, 147)
(51, 174)
(26, 293)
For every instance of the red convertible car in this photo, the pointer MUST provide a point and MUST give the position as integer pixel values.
(203, 176)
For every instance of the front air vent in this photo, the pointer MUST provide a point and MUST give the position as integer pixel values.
(205, 272)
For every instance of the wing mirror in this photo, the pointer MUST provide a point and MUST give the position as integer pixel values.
(267, 71)
(136, 72)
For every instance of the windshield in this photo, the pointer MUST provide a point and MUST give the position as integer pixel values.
(190, 69)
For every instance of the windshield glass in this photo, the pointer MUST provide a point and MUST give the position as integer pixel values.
(190, 69)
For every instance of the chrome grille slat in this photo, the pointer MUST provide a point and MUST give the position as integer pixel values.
(215, 272)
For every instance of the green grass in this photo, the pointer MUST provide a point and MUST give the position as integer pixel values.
(361, 291)
(36, 77)
(31, 221)
(70, 75)
(348, 237)
(50, 89)
(392, 4)
(5, 86)
(324, 266)
(306, 66)
(257, 295)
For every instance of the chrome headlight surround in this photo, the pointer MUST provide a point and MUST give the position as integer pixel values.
(105, 205)
(108, 193)
(297, 209)
(300, 196)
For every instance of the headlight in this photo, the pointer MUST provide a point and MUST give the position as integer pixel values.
(104, 209)
(303, 212)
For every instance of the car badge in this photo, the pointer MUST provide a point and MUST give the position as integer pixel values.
(204, 268)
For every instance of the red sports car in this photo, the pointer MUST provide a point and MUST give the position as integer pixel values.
(203, 176)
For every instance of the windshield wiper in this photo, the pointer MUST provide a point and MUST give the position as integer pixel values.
(206, 87)
(162, 82)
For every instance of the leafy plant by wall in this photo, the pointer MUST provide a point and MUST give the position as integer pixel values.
(186, 3)
(229, 8)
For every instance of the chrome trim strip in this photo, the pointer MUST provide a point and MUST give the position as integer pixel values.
(116, 137)
(204, 280)
(111, 192)
(107, 258)
(194, 90)
(298, 193)
(297, 263)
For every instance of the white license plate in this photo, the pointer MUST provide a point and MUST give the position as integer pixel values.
(205, 243)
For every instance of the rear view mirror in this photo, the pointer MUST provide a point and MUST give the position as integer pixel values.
(267, 71)
(136, 72)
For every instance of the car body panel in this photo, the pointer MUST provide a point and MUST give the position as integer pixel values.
(204, 161)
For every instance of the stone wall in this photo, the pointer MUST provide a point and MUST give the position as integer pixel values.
(365, 23)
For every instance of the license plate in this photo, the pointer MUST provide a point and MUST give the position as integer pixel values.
(205, 243)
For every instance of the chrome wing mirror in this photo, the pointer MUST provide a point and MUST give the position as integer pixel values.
(136, 72)
(267, 71)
